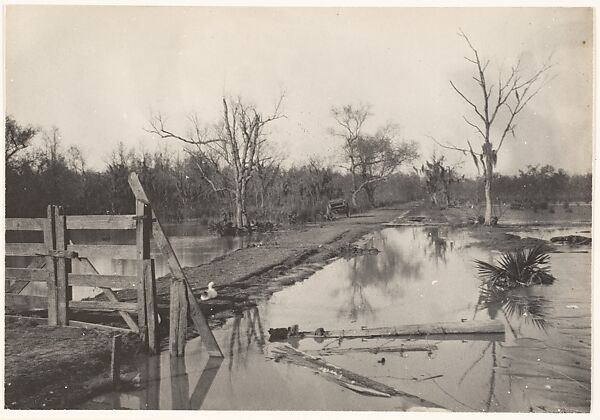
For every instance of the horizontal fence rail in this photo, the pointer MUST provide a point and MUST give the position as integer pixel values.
(27, 274)
(22, 249)
(102, 222)
(25, 224)
(95, 222)
(103, 280)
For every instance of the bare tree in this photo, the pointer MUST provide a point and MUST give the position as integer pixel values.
(226, 154)
(370, 159)
(17, 138)
(495, 112)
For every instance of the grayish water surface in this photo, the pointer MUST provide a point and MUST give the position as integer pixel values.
(421, 275)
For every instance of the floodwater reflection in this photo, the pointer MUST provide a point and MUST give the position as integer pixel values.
(421, 275)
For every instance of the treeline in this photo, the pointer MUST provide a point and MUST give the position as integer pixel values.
(535, 188)
(178, 186)
(50, 174)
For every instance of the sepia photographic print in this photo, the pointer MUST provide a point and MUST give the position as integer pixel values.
(326, 209)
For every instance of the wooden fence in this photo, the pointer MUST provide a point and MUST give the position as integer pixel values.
(52, 265)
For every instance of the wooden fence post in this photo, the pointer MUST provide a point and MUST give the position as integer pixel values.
(115, 361)
(143, 228)
(151, 309)
(63, 268)
(50, 244)
(181, 292)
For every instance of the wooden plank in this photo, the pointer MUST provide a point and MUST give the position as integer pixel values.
(183, 315)
(342, 376)
(110, 295)
(27, 274)
(115, 361)
(138, 190)
(174, 312)
(50, 244)
(25, 302)
(63, 268)
(165, 246)
(92, 305)
(121, 252)
(151, 309)
(33, 249)
(102, 222)
(103, 280)
(17, 287)
(59, 253)
(442, 328)
(408, 347)
(35, 224)
(142, 242)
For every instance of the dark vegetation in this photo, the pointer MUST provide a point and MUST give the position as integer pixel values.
(40, 175)
(523, 267)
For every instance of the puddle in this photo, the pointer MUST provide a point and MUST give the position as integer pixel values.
(421, 275)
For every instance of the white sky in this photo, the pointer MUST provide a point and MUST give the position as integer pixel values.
(98, 72)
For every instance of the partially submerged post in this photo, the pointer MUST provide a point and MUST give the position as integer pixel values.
(181, 292)
(115, 362)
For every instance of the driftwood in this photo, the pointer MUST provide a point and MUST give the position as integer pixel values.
(441, 328)
(375, 350)
(341, 376)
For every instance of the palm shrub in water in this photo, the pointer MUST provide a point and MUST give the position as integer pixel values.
(523, 267)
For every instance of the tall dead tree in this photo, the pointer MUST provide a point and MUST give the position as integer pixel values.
(226, 154)
(495, 111)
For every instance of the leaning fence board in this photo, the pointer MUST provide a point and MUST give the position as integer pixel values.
(33, 249)
(102, 280)
(25, 302)
(104, 306)
(36, 224)
(101, 222)
(27, 274)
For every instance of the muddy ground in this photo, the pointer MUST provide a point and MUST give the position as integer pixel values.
(80, 362)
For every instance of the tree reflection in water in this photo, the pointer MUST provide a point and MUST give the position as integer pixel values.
(250, 325)
(387, 272)
(437, 244)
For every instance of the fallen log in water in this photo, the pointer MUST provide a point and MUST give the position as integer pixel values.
(441, 328)
(375, 350)
(341, 376)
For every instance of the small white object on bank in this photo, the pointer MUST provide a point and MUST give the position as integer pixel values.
(210, 292)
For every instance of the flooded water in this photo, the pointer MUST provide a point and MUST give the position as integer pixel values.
(421, 275)
(191, 241)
